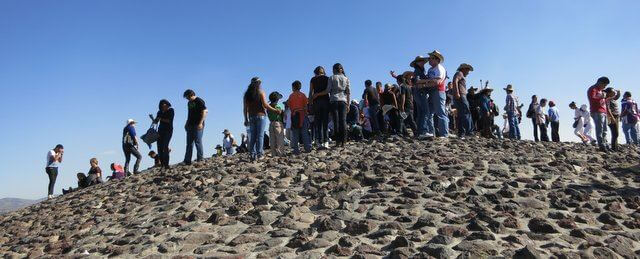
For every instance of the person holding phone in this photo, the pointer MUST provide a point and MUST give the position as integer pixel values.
(54, 158)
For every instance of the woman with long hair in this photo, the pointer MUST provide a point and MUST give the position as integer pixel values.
(321, 106)
(255, 104)
(164, 119)
(340, 97)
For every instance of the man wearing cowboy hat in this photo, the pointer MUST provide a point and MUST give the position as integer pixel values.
(511, 108)
(130, 146)
(465, 123)
(228, 143)
(421, 98)
(436, 76)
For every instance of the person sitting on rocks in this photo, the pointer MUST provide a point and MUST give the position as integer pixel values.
(95, 173)
(218, 151)
(117, 172)
(82, 183)
(243, 144)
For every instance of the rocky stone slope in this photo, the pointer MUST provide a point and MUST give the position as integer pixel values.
(451, 198)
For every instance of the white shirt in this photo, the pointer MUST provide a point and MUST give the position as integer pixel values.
(227, 142)
(51, 162)
(436, 72)
(541, 115)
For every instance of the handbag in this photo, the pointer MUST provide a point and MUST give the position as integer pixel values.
(151, 136)
(575, 123)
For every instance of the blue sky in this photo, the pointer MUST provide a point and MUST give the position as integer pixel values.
(72, 72)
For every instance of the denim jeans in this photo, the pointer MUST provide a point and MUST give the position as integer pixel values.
(129, 150)
(257, 126)
(437, 106)
(465, 123)
(600, 120)
(194, 136)
(555, 128)
(301, 135)
(630, 133)
(339, 110)
(514, 128)
(421, 101)
(52, 172)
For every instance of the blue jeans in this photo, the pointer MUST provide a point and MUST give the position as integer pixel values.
(257, 125)
(465, 123)
(421, 101)
(301, 134)
(630, 133)
(437, 105)
(373, 117)
(514, 128)
(194, 136)
(600, 120)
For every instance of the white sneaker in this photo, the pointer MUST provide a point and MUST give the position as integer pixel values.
(50, 196)
(326, 145)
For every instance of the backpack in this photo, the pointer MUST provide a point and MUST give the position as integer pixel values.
(633, 115)
(530, 112)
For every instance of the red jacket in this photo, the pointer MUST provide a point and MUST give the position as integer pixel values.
(597, 100)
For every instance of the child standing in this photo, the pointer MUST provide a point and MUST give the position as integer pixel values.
(276, 127)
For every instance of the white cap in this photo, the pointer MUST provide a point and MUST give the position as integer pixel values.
(130, 121)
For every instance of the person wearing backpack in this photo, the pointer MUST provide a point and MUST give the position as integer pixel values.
(630, 117)
(130, 146)
(299, 123)
(531, 114)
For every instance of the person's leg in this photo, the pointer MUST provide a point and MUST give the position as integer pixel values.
(441, 113)
(633, 134)
(373, 118)
(273, 139)
(190, 139)
(626, 131)
(280, 136)
(306, 139)
(411, 123)
(52, 172)
(136, 153)
(199, 146)
(512, 120)
(555, 135)
(543, 133)
(295, 141)
(614, 134)
(535, 129)
(261, 125)
(127, 157)
(342, 121)
(601, 125)
(422, 111)
(433, 101)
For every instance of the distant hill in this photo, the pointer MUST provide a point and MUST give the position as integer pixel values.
(11, 204)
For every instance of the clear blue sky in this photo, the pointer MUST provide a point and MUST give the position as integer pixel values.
(72, 72)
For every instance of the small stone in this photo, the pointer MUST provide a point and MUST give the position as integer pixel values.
(540, 225)
(528, 252)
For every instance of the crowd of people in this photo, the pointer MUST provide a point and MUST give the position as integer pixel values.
(420, 104)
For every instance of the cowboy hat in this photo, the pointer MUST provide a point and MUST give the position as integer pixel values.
(255, 79)
(131, 121)
(226, 131)
(465, 65)
(509, 88)
(438, 55)
(407, 74)
(418, 58)
(486, 89)
(472, 89)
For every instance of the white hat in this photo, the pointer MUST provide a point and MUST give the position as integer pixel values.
(130, 121)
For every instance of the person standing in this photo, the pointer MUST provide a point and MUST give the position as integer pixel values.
(436, 76)
(254, 107)
(613, 115)
(486, 113)
(54, 158)
(459, 89)
(130, 146)
(554, 120)
(578, 123)
(276, 126)
(406, 103)
(194, 125)
(542, 120)
(531, 113)
(630, 117)
(421, 98)
(511, 107)
(228, 143)
(372, 98)
(598, 108)
(320, 105)
(298, 103)
(340, 97)
(164, 119)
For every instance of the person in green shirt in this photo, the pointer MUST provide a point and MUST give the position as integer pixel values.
(276, 127)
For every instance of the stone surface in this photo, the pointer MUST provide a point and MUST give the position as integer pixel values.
(397, 198)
